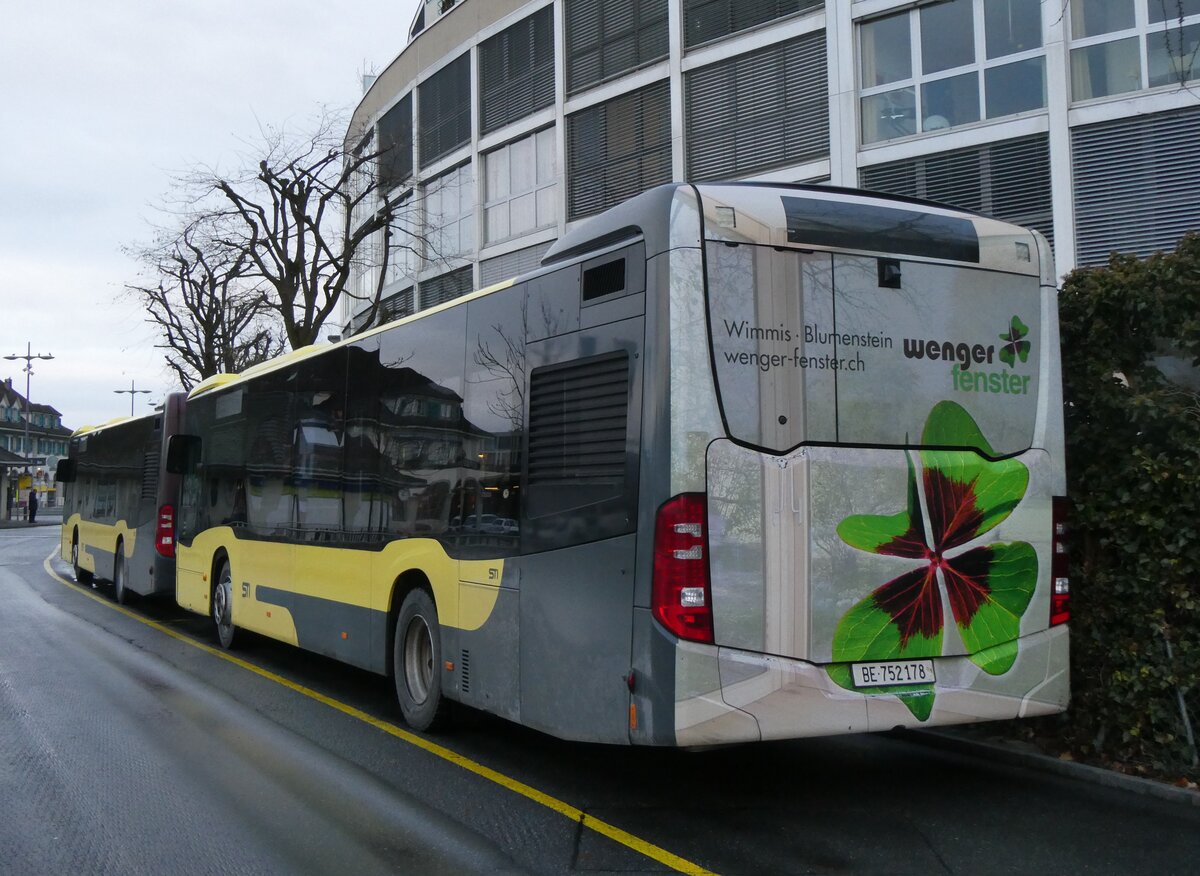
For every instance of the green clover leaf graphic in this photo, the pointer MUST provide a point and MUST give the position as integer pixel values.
(1016, 347)
(988, 587)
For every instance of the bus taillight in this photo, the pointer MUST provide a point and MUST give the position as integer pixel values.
(681, 597)
(1060, 596)
(164, 536)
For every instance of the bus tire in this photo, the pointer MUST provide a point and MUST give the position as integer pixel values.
(417, 662)
(120, 591)
(222, 607)
(82, 575)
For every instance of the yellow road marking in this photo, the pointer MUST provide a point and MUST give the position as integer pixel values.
(641, 846)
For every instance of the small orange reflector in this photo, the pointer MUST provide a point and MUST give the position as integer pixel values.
(203, 577)
(632, 716)
(345, 636)
(449, 664)
(268, 614)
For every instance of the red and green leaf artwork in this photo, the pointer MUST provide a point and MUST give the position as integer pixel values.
(954, 498)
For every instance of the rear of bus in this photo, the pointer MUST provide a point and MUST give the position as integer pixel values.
(866, 473)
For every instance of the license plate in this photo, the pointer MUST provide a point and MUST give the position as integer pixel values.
(894, 672)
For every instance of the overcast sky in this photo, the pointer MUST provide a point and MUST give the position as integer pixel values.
(100, 104)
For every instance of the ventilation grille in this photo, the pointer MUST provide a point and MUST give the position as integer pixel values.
(760, 110)
(605, 279)
(577, 421)
(1135, 184)
(464, 677)
(150, 470)
(1008, 180)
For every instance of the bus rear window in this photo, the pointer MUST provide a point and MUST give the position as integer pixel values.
(814, 348)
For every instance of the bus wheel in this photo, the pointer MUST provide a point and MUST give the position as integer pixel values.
(120, 593)
(222, 607)
(82, 576)
(417, 661)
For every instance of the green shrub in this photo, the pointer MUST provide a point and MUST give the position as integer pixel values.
(1133, 458)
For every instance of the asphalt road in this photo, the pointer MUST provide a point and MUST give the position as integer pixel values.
(129, 745)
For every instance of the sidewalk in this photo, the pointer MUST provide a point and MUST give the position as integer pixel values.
(45, 517)
(1022, 755)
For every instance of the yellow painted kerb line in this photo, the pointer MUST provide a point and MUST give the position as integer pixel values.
(614, 833)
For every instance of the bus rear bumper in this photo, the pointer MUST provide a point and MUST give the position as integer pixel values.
(759, 697)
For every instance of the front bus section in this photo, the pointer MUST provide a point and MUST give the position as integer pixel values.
(866, 472)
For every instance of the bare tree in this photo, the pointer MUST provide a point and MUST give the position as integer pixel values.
(303, 216)
(210, 318)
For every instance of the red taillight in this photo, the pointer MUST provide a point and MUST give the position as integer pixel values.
(681, 597)
(1060, 594)
(164, 535)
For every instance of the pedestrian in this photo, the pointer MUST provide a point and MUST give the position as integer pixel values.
(33, 503)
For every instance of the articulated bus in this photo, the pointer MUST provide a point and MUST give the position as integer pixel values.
(738, 462)
(119, 503)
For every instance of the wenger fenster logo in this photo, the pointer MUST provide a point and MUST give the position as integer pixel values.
(966, 376)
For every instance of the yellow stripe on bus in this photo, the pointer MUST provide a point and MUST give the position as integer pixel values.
(641, 846)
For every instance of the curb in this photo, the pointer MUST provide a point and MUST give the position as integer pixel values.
(1045, 763)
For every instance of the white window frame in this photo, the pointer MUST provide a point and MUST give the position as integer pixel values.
(542, 188)
(1143, 30)
(916, 79)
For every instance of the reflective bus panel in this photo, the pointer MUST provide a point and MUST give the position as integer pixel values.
(739, 462)
(120, 503)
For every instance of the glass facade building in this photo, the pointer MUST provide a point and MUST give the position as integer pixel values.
(503, 123)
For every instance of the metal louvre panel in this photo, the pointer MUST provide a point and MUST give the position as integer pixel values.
(150, 470)
(516, 71)
(396, 306)
(512, 264)
(578, 416)
(395, 143)
(1009, 180)
(706, 20)
(758, 111)
(1135, 184)
(618, 149)
(445, 105)
(445, 288)
(608, 37)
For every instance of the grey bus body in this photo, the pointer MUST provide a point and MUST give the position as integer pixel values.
(813, 366)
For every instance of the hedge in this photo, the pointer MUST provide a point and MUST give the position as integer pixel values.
(1133, 458)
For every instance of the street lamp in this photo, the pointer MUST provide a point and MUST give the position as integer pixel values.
(28, 357)
(132, 392)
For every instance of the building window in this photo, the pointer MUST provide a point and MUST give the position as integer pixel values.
(949, 64)
(444, 102)
(450, 215)
(705, 20)
(395, 129)
(404, 247)
(618, 149)
(757, 111)
(1119, 46)
(1009, 180)
(608, 37)
(521, 187)
(516, 71)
